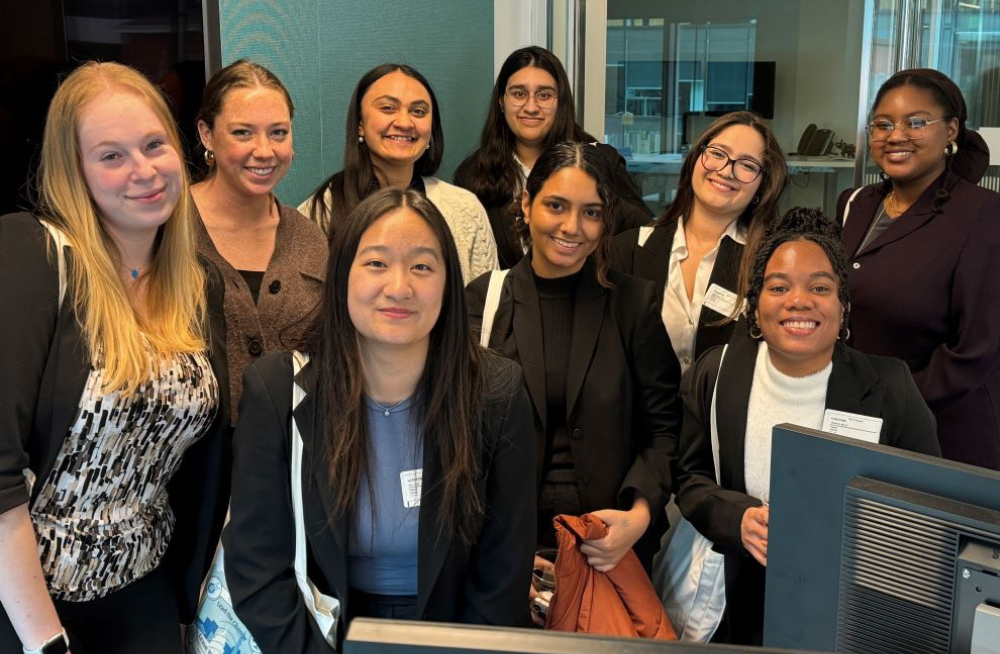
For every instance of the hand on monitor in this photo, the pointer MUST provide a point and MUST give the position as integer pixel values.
(753, 532)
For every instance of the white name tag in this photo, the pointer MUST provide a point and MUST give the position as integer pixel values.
(720, 300)
(411, 482)
(852, 425)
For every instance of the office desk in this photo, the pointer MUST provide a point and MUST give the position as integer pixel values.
(656, 175)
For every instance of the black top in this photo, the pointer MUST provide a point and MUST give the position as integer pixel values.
(253, 278)
(632, 211)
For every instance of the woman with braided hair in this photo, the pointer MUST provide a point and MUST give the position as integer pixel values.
(924, 245)
(792, 366)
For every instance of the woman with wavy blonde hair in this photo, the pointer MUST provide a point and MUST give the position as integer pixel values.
(113, 382)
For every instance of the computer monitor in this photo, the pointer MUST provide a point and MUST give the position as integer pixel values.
(368, 636)
(878, 550)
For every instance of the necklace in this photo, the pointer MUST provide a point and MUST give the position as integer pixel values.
(386, 410)
(133, 271)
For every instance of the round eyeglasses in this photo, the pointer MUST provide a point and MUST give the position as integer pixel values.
(911, 128)
(744, 170)
(517, 97)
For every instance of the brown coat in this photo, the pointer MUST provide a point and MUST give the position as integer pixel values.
(292, 286)
(617, 603)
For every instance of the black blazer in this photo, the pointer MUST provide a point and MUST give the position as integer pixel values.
(859, 383)
(632, 211)
(926, 291)
(652, 261)
(622, 404)
(43, 371)
(483, 583)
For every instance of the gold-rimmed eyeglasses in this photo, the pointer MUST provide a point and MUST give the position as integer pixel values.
(911, 128)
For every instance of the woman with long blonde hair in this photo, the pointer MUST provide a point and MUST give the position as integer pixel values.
(113, 383)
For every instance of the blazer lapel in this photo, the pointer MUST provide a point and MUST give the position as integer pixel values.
(852, 385)
(527, 321)
(860, 215)
(733, 395)
(916, 217)
(588, 317)
(318, 491)
(433, 545)
(725, 274)
(652, 260)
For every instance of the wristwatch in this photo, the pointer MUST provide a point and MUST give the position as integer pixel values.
(58, 644)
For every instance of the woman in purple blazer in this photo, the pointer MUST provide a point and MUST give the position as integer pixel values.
(925, 249)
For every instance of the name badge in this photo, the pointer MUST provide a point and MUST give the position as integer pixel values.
(411, 482)
(852, 425)
(720, 300)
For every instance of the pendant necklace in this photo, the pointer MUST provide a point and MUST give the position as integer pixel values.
(386, 410)
(133, 271)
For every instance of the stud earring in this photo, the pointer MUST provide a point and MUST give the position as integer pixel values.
(361, 139)
(209, 157)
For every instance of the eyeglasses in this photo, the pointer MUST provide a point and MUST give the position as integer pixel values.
(544, 98)
(912, 128)
(744, 170)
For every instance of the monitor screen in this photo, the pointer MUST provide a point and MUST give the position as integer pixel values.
(878, 550)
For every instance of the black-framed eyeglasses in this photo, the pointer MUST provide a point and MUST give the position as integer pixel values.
(911, 128)
(744, 170)
(544, 98)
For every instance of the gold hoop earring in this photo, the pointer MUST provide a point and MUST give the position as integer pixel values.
(758, 336)
(951, 150)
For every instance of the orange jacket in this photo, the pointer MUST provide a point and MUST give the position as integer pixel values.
(617, 603)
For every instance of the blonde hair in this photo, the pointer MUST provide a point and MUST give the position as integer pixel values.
(115, 333)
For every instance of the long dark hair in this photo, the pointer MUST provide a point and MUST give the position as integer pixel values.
(358, 176)
(798, 224)
(586, 157)
(450, 391)
(759, 215)
(493, 175)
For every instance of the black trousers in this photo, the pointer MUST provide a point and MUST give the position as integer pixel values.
(140, 618)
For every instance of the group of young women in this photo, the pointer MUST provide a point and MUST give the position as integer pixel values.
(148, 310)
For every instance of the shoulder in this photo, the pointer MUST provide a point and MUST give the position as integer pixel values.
(890, 371)
(502, 379)
(24, 245)
(465, 171)
(610, 154)
(307, 237)
(854, 195)
(982, 201)
(450, 197)
(629, 288)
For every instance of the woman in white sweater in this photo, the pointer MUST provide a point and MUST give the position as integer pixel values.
(789, 365)
(394, 140)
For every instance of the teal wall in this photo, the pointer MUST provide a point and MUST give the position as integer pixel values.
(320, 48)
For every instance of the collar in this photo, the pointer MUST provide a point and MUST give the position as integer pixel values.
(525, 170)
(734, 231)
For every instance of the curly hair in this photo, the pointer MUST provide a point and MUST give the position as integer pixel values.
(798, 224)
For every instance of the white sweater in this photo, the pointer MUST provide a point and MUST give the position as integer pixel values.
(776, 398)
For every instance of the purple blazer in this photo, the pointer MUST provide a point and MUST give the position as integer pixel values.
(927, 291)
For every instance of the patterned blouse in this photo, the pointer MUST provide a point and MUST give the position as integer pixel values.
(102, 517)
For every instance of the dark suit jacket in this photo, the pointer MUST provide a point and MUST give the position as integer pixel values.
(43, 371)
(622, 405)
(632, 211)
(483, 583)
(652, 261)
(861, 384)
(927, 290)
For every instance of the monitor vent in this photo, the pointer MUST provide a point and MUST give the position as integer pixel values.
(897, 580)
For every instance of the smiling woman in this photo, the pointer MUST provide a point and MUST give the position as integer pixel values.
(394, 140)
(419, 497)
(245, 123)
(790, 365)
(599, 369)
(113, 381)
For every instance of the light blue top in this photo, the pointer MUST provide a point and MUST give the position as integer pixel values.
(383, 552)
